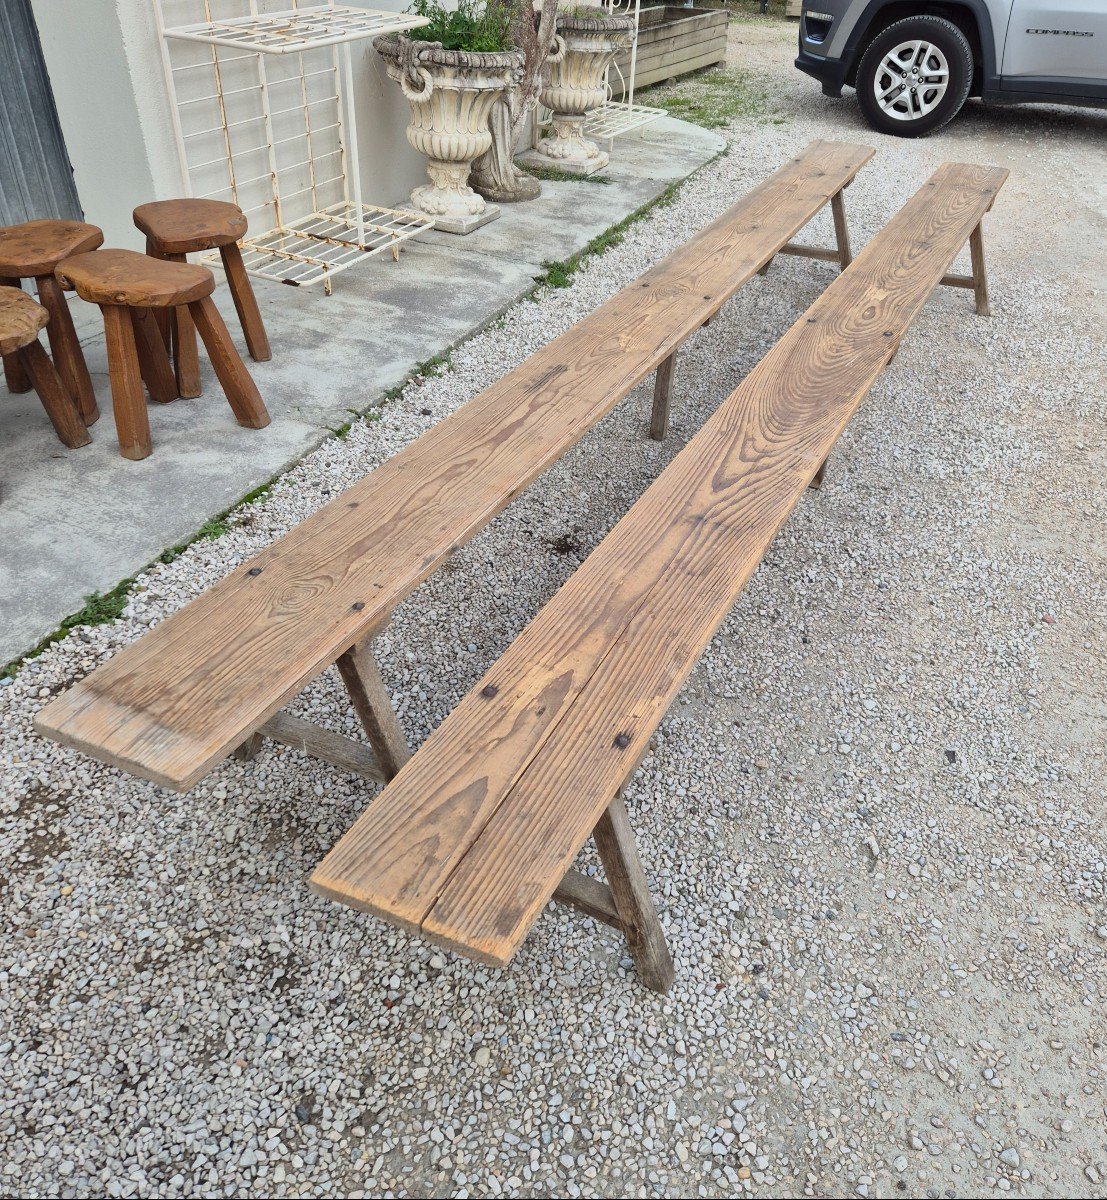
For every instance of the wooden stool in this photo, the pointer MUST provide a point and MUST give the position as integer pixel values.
(127, 286)
(20, 321)
(176, 228)
(32, 251)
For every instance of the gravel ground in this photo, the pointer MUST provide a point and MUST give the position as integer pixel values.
(873, 821)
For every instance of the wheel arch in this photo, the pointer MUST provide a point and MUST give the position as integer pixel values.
(970, 16)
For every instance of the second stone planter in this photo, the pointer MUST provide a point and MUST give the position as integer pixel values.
(576, 83)
(451, 93)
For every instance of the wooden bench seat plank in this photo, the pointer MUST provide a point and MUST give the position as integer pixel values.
(171, 706)
(467, 843)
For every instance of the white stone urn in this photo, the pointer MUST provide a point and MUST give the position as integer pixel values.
(451, 93)
(575, 84)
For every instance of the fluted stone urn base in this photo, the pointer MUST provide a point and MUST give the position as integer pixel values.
(449, 199)
(566, 148)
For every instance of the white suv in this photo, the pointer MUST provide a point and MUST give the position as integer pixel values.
(915, 65)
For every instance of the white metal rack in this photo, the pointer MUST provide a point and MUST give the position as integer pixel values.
(617, 117)
(264, 114)
(614, 117)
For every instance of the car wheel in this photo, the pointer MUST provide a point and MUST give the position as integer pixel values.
(915, 76)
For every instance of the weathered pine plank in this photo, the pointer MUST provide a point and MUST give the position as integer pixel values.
(174, 704)
(472, 837)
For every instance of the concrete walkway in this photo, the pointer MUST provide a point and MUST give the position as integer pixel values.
(74, 522)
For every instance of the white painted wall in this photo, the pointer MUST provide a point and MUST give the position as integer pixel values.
(105, 63)
(82, 43)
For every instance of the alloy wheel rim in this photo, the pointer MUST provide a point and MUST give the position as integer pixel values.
(911, 80)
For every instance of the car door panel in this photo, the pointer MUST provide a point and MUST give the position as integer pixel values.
(1055, 42)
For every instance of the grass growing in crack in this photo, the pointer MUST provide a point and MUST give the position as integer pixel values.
(715, 98)
(103, 607)
(560, 274)
(428, 369)
(556, 176)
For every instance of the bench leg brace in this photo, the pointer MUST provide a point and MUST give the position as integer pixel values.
(662, 390)
(637, 916)
(371, 702)
(842, 254)
(978, 280)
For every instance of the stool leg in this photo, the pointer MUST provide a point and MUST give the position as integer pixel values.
(185, 354)
(14, 373)
(163, 316)
(245, 303)
(60, 407)
(241, 391)
(128, 400)
(152, 358)
(66, 349)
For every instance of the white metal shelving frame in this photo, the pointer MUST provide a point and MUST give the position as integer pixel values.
(281, 110)
(617, 117)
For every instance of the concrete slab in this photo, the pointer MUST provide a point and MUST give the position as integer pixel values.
(74, 522)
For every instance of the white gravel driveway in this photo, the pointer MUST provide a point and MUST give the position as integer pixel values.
(874, 821)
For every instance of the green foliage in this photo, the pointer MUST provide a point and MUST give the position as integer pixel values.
(476, 26)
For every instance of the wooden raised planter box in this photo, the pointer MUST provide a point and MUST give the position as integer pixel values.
(673, 41)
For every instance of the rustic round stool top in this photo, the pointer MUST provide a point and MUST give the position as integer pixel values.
(183, 226)
(21, 318)
(134, 280)
(36, 247)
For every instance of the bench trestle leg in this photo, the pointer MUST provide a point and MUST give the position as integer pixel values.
(979, 272)
(842, 254)
(637, 914)
(819, 476)
(662, 390)
(978, 280)
(841, 229)
(370, 699)
(250, 748)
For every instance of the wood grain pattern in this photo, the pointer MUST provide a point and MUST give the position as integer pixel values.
(152, 357)
(189, 224)
(182, 344)
(342, 752)
(177, 702)
(35, 248)
(369, 696)
(134, 280)
(631, 893)
(472, 837)
(662, 394)
(21, 320)
(15, 374)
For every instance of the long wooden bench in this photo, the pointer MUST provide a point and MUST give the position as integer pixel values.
(213, 678)
(480, 829)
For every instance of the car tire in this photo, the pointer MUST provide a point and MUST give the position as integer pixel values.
(915, 76)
